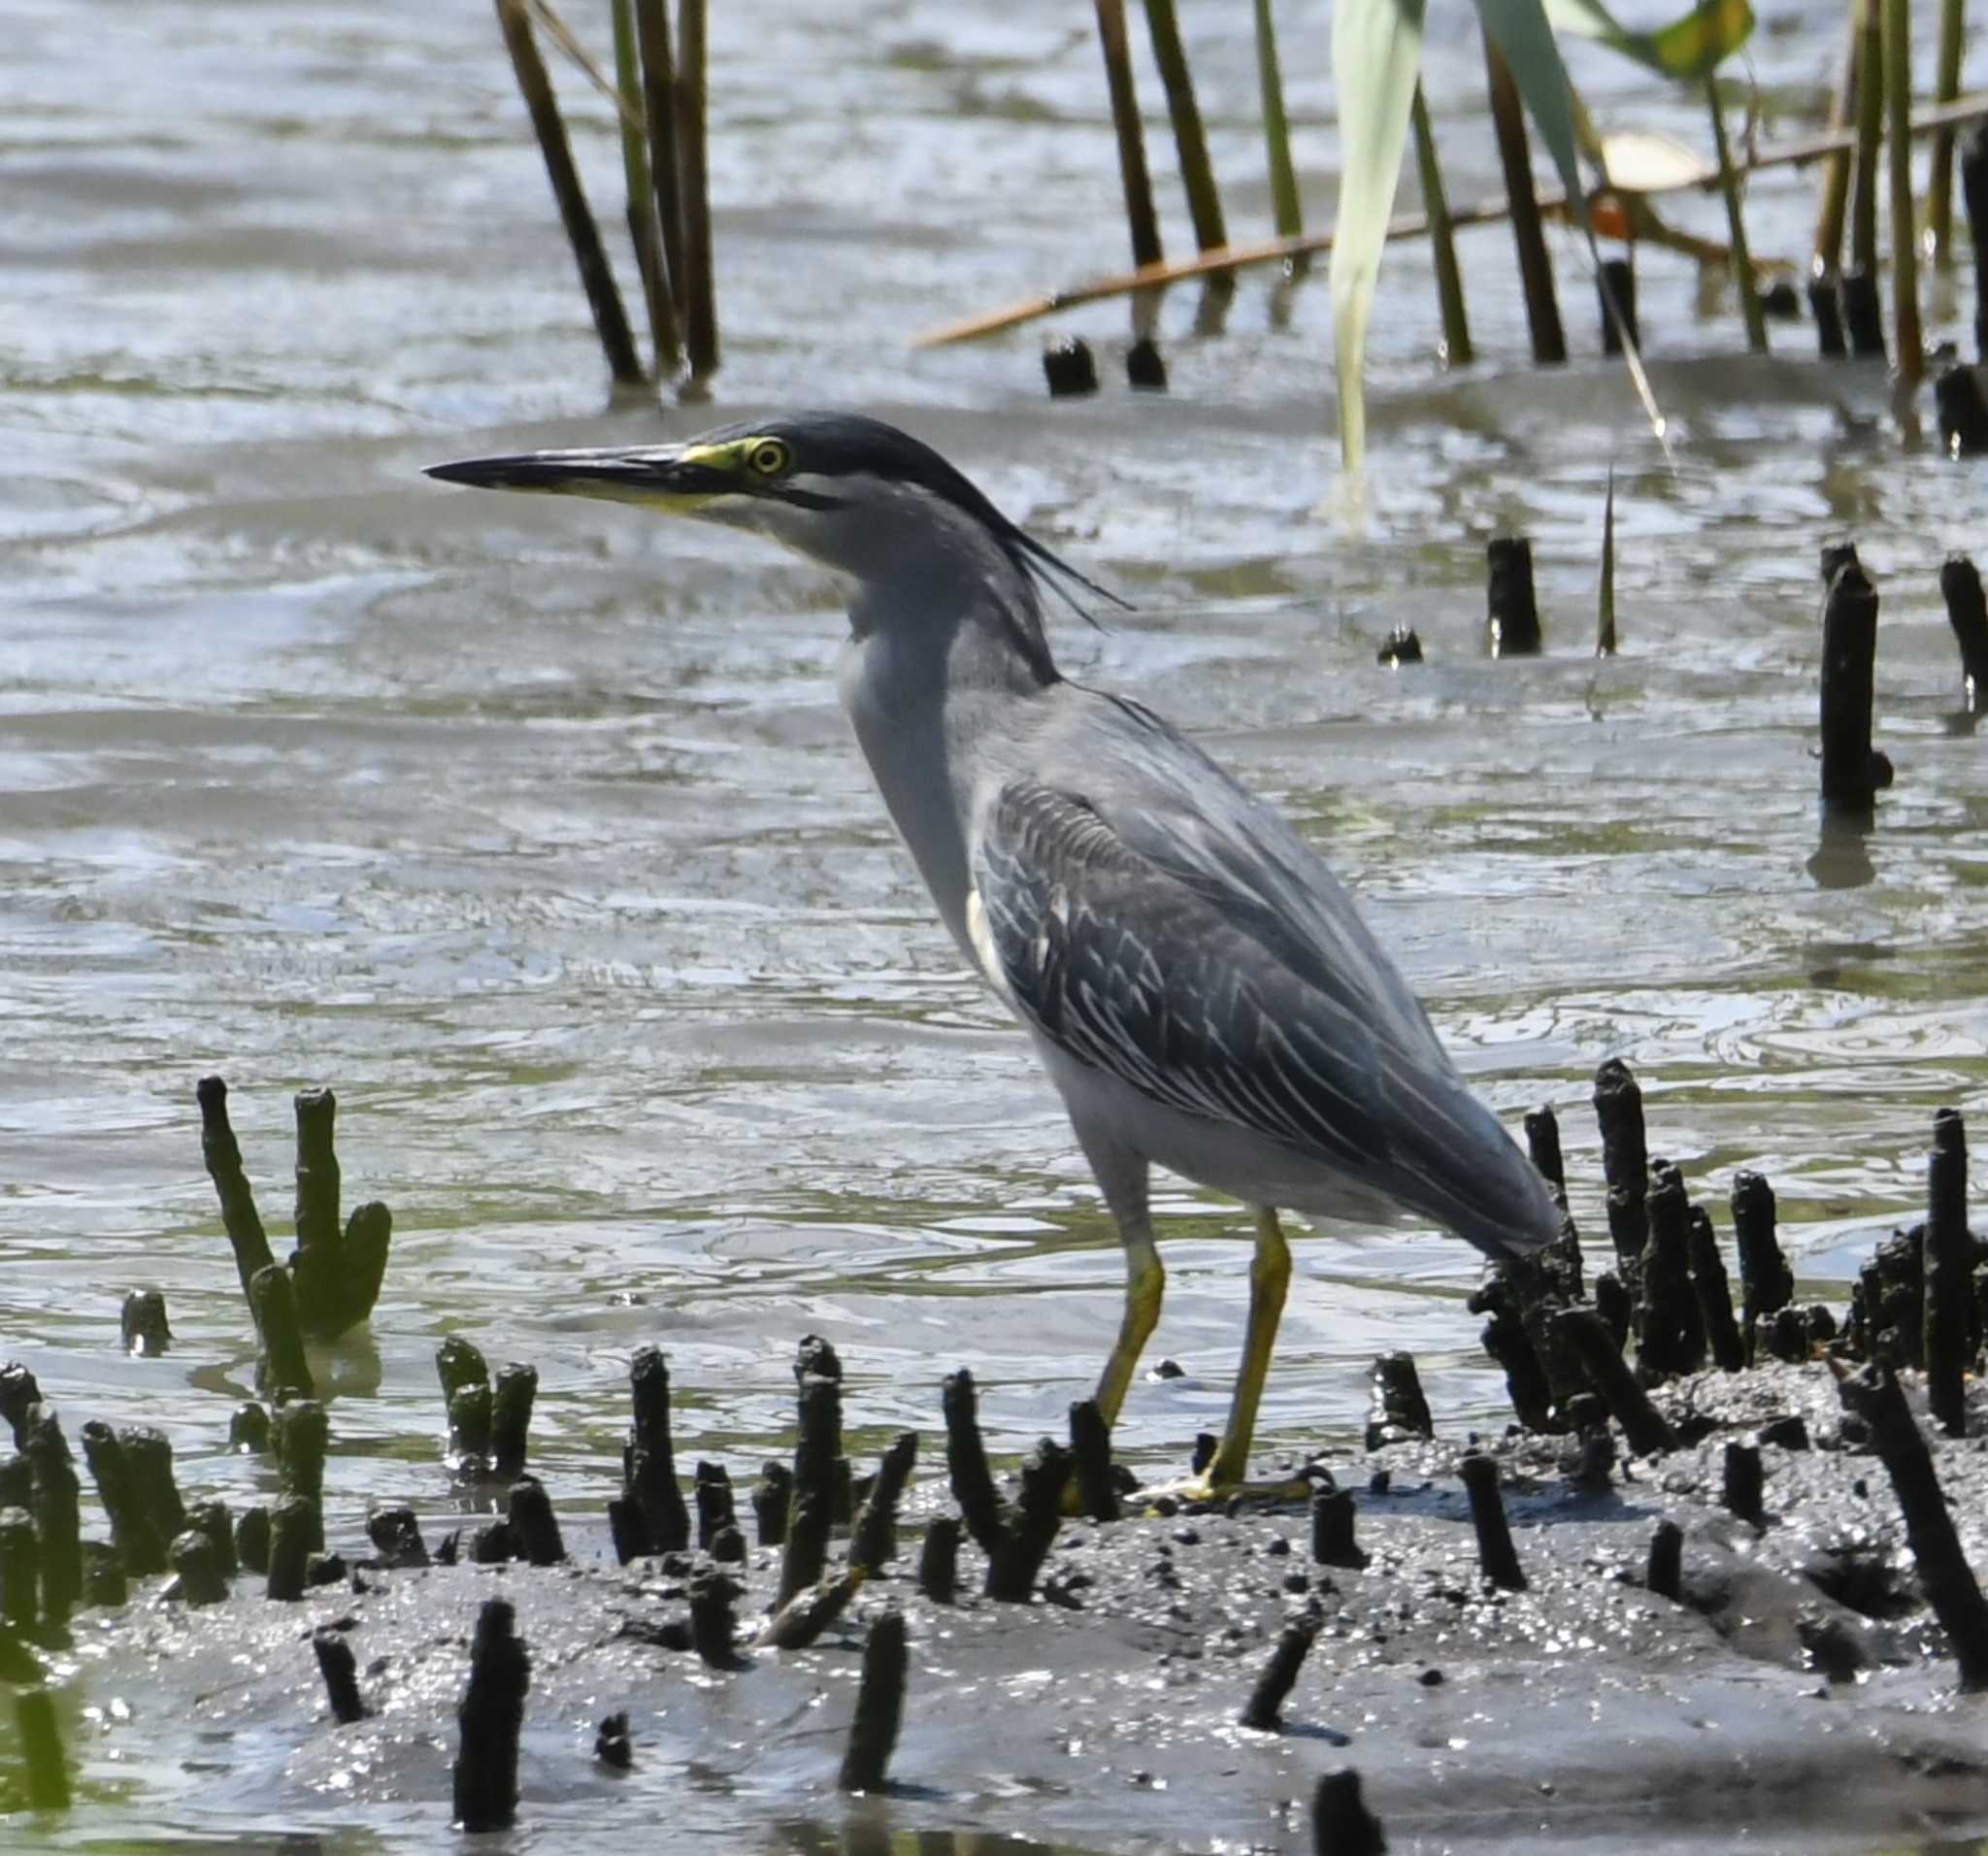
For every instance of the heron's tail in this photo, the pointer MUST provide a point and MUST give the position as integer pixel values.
(1457, 1164)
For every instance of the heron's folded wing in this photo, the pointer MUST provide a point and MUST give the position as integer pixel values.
(1193, 820)
(1145, 978)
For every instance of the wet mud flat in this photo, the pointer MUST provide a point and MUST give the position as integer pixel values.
(1798, 1686)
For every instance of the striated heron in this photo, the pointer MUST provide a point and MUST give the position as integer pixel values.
(1199, 987)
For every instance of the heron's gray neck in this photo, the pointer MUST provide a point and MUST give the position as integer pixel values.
(939, 704)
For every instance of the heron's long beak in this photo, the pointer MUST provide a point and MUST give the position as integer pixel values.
(656, 476)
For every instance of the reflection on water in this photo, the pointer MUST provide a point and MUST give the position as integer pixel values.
(534, 829)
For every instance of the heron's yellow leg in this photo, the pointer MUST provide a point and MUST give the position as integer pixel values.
(1270, 1274)
(1145, 1285)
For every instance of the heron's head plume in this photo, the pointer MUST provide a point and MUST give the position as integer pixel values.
(852, 493)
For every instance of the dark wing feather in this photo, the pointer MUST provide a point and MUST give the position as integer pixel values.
(1137, 973)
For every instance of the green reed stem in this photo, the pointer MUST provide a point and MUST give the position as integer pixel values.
(1736, 222)
(1197, 174)
(700, 293)
(1514, 153)
(659, 111)
(1140, 221)
(643, 231)
(596, 276)
(1869, 130)
(1909, 351)
(1946, 84)
(1276, 128)
(1449, 288)
(1835, 198)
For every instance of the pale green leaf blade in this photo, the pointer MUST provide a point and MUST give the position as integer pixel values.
(1376, 56)
(1519, 30)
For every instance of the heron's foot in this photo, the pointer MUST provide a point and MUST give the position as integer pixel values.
(1212, 1488)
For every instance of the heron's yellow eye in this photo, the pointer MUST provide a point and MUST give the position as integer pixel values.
(769, 457)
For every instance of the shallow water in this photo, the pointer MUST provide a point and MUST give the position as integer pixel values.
(534, 830)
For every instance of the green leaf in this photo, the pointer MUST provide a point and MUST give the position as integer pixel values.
(1605, 614)
(1519, 30)
(1688, 47)
(1376, 57)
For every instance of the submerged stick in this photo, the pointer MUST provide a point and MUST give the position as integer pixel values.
(1497, 1558)
(1767, 1284)
(1743, 1484)
(1013, 1565)
(873, 1544)
(340, 1669)
(597, 279)
(1949, 1274)
(812, 1514)
(1399, 1408)
(534, 1527)
(41, 1745)
(1264, 1710)
(133, 1531)
(1449, 289)
(1512, 610)
(53, 1501)
(1714, 1292)
(966, 1463)
(490, 1717)
(648, 1461)
(1190, 141)
(1341, 1825)
(1625, 1155)
(1535, 268)
(1967, 612)
(806, 1615)
(1672, 1338)
(939, 1561)
(879, 1705)
(1585, 1331)
(1543, 1141)
(512, 1400)
(1850, 770)
(772, 1496)
(1665, 1576)
(1873, 1394)
(222, 1154)
(1331, 1530)
(281, 1365)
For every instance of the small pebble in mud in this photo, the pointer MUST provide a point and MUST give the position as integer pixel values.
(1187, 1535)
(1277, 1546)
(1169, 1370)
(1164, 1506)
(1297, 1583)
(1431, 1679)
